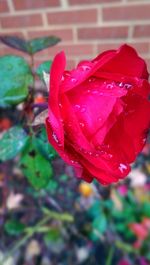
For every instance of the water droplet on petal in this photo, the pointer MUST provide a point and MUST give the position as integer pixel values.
(122, 167)
(73, 80)
(91, 79)
(110, 86)
(62, 78)
(94, 92)
(77, 107)
(85, 67)
(83, 109)
(127, 86)
(110, 155)
(60, 105)
(101, 93)
(55, 137)
(82, 124)
(121, 84)
(88, 91)
(99, 119)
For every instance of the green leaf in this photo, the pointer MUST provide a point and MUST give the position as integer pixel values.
(146, 209)
(15, 77)
(43, 145)
(52, 186)
(15, 42)
(39, 44)
(14, 227)
(53, 235)
(95, 209)
(12, 142)
(35, 167)
(100, 224)
(43, 67)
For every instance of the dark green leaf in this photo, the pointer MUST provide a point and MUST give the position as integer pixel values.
(44, 147)
(12, 142)
(146, 209)
(35, 167)
(39, 44)
(15, 42)
(43, 67)
(95, 209)
(14, 227)
(100, 223)
(15, 77)
(52, 186)
(52, 235)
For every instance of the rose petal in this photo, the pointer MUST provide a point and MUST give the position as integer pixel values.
(54, 114)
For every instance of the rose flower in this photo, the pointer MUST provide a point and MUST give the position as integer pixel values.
(99, 113)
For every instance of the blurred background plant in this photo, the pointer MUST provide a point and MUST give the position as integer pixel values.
(47, 216)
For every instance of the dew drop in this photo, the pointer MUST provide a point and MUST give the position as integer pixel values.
(110, 86)
(91, 79)
(67, 74)
(85, 67)
(77, 107)
(94, 92)
(101, 93)
(55, 137)
(73, 80)
(110, 155)
(99, 119)
(83, 109)
(60, 105)
(121, 84)
(127, 86)
(82, 124)
(122, 167)
(62, 78)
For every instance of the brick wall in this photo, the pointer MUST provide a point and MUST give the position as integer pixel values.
(86, 27)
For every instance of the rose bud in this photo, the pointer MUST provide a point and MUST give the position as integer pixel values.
(99, 113)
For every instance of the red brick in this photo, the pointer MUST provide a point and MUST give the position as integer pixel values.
(141, 31)
(141, 47)
(95, 33)
(3, 6)
(21, 21)
(64, 34)
(131, 12)
(71, 17)
(70, 50)
(34, 4)
(84, 2)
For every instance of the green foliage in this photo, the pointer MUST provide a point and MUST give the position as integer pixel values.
(14, 228)
(39, 44)
(15, 77)
(43, 146)
(35, 167)
(12, 142)
(43, 67)
(31, 46)
(52, 235)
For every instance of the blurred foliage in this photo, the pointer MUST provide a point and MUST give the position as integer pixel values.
(47, 216)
